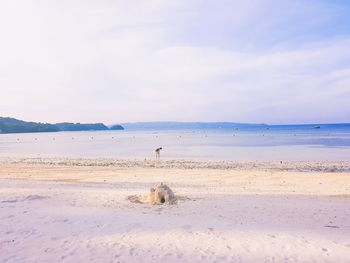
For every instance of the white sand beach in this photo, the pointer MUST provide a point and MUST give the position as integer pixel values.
(52, 211)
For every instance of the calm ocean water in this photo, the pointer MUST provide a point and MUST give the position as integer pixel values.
(285, 143)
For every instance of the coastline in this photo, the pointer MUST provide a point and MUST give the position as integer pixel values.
(297, 166)
(69, 210)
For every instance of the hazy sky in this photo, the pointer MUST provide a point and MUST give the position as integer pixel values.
(271, 61)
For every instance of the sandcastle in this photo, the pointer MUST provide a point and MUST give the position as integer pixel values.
(162, 194)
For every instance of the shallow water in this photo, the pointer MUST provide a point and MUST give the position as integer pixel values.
(331, 144)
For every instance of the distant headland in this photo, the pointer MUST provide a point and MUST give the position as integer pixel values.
(169, 125)
(11, 125)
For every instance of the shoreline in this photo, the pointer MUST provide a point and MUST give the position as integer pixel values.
(297, 166)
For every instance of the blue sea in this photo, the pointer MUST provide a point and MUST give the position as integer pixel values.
(275, 143)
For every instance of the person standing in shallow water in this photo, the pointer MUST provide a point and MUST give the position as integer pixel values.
(158, 153)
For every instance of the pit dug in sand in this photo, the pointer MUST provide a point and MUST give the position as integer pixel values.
(160, 195)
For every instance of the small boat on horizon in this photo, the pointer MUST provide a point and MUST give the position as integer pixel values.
(317, 127)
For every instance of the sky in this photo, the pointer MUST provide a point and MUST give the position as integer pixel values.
(111, 61)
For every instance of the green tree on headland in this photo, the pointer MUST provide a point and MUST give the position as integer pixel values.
(11, 125)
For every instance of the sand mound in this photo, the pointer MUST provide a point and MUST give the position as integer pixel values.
(161, 194)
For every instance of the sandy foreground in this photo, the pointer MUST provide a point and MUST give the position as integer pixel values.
(54, 212)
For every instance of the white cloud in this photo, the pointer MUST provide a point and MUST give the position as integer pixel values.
(117, 61)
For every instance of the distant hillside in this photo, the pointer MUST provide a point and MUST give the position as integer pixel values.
(67, 126)
(188, 125)
(225, 126)
(116, 127)
(11, 125)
